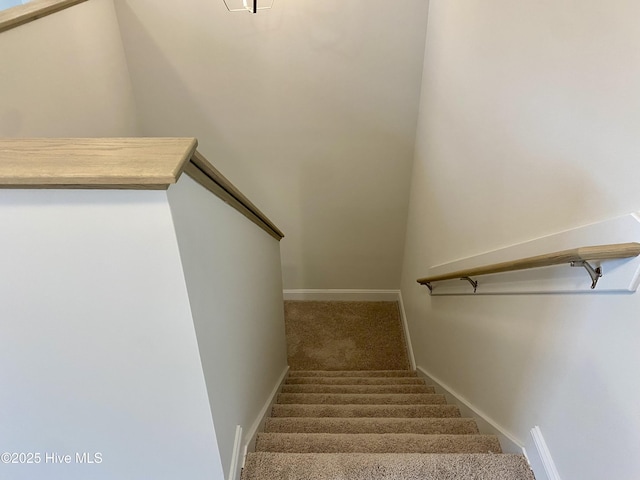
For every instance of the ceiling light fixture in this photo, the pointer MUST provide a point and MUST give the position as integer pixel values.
(251, 6)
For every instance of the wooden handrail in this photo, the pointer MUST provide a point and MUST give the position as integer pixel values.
(21, 14)
(209, 177)
(134, 163)
(577, 256)
(118, 163)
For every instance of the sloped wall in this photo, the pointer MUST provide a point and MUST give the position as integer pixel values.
(309, 108)
(65, 75)
(528, 126)
(232, 270)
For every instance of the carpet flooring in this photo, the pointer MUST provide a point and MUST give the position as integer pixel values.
(321, 434)
(345, 336)
(351, 409)
(390, 466)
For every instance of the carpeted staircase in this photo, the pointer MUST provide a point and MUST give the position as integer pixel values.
(353, 425)
(351, 410)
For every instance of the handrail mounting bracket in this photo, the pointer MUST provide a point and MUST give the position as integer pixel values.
(577, 257)
(429, 286)
(594, 273)
(474, 284)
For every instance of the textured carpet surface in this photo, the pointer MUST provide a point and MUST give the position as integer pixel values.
(351, 373)
(375, 443)
(358, 389)
(355, 381)
(396, 411)
(389, 466)
(371, 425)
(363, 398)
(345, 336)
(351, 410)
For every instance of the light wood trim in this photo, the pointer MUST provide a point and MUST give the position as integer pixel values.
(20, 14)
(132, 163)
(598, 252)
(118, 163)
(203, 172)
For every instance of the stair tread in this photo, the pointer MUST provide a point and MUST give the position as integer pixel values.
(355, 381)
(358, 424)
(370, 425)
(357, 389)
(353, 373)
(369, 411)
(362, 398)
(376, 443)
(393, 466)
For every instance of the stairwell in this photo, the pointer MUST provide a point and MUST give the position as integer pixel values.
(366, 424)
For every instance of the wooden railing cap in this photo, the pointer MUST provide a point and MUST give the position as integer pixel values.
(118, 163)
(142, 163)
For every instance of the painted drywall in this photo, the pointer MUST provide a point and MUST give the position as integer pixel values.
(528, 126)
(98, 347)
(65, 75)
(309, 108)
(233, 274)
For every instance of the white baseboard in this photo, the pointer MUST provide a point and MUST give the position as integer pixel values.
(407, 335)
(258, 424)
(344, 295)
(486, 425)
(539, 456)
(235, 455)
(535, 451)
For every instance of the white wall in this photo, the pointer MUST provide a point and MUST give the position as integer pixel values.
(233, 274)
(98, 348)
(66, 75)
(529, 125)
(309, 108)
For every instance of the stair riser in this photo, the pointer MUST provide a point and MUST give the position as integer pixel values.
(352, 373)
(361, 399)
(357, 389)
(375, 443)
(355, 381)
(444, 426)
(367, 411)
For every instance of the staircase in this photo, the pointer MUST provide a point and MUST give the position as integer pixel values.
(373, 424)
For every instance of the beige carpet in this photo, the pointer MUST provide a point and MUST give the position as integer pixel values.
(365, 411)
(351, 410)
(375, 443)
(345, 336)
(337, 425)
(389, 466)
(430, 426)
